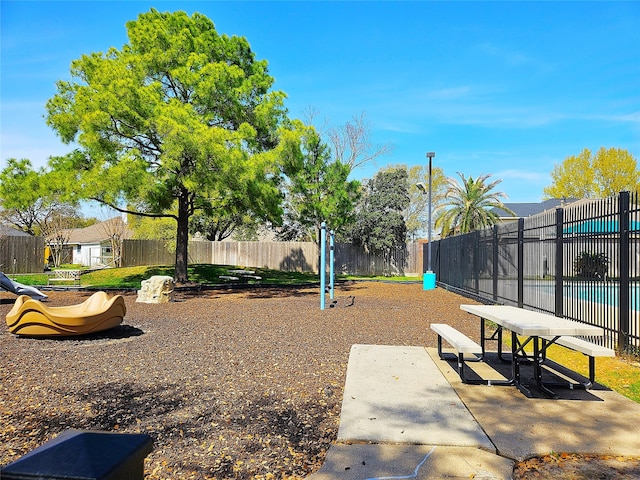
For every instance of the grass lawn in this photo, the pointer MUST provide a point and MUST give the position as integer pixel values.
(620, 373)
(205, 274)
(131, 277)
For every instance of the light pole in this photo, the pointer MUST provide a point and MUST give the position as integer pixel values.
(429, 278)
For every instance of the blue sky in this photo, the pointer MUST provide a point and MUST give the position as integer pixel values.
(502, 88)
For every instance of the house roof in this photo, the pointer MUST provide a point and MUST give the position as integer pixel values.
(6, 230)
(99, 232)
(523, 210)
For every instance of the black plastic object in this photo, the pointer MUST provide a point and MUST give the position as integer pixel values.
(84, 455)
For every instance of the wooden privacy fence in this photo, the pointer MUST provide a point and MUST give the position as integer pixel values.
(285, 256)
(21, 254)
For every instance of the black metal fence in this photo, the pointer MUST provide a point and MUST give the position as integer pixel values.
(581, 262)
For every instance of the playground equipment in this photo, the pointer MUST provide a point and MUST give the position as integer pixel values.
(322, 266)
(32, 318)
(14, 287)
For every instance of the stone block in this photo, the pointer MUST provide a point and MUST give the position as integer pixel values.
(157, 289)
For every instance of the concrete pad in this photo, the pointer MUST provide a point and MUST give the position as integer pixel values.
(396, 394)
(597, 421)
(347, 462)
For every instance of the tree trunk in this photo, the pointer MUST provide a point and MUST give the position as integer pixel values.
(182, 239)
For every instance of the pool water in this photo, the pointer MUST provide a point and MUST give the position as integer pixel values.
(606, 293)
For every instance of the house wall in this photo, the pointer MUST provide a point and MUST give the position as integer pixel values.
(86, 255)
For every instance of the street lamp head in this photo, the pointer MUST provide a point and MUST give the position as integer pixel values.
(430, 155)
(422, 187)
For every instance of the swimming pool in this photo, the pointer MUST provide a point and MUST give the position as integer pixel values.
(607, 294)
(604, 293)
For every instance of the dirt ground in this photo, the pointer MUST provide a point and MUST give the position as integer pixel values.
(229, 384)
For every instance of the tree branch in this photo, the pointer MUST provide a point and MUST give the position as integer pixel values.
(134, 212)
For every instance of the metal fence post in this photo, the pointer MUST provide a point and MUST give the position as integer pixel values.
(475, 261)
(495, 262)
(623, 291)
(520, 262)
(559, 277)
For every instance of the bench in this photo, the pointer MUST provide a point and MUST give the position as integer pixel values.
(64, 276)
(252, 277)
(587, 348)
(460, 342)
(243, 278)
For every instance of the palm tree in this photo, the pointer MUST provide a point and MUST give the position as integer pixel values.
(469, 205)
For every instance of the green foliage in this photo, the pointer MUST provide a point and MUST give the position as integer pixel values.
(217, 228)
(149, 228)
(608, 172)
(20, 198)
(29, 198)
(591, 265)
(416, 214)
(467, 205)
(318, 188)
(179, 120)
(380, 226)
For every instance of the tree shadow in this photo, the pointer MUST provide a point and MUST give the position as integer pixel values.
(566, 384)
(118, 332)
(296, 261)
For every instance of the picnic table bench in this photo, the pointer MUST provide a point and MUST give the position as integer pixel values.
(591, 350)
(460, 342)
(64, 276)
(240, 275)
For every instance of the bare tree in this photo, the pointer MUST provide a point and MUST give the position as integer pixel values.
(352, 144)
(115, 229)
(31, 216)
(2, 239)
(56, 230)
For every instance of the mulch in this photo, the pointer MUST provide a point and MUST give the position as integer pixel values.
(229, 384)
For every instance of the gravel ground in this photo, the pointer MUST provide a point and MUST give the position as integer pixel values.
(244, 384)
(241, 384)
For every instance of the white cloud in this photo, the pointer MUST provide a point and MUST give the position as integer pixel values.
(449, 93)
(511, 57)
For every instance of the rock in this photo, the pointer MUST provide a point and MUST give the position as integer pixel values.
(157, 289)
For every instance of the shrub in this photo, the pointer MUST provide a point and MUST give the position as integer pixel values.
(591, 265)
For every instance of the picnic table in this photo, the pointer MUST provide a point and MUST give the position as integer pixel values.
(537, 329)
(240, 275)
(72, 276)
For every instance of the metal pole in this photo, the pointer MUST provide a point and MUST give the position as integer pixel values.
(331, 262)
(323, 262)
(624, 300)
(430, 156)
(429, 278)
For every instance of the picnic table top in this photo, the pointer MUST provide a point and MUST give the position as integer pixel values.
(530, 323)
